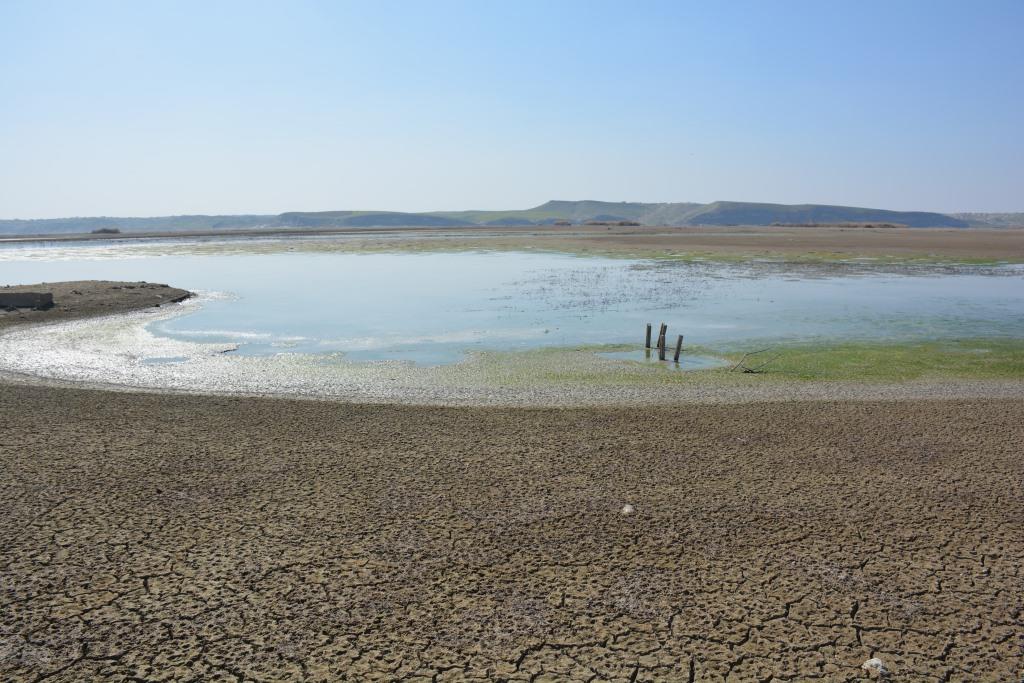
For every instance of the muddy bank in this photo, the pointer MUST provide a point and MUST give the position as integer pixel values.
(89, 298)
(729, 241)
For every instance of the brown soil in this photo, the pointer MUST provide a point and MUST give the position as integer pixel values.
(159, 537)
(201, 538)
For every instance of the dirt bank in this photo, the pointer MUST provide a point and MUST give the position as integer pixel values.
(87, 298)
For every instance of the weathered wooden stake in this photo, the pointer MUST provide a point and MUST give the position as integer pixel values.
(647, 341)
(661, 341)
(679, 348)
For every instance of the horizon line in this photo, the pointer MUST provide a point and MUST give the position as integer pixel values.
(434, 211)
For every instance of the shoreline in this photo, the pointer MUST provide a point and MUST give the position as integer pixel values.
(811, 244)
(113, 358)
(104, 345)
(155, 535)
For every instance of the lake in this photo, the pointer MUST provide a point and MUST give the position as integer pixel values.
(431, 308)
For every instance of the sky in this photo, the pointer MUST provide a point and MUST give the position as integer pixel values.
(157, 108)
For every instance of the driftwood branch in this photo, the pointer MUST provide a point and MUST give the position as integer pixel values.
(741, 365)
(757, 368)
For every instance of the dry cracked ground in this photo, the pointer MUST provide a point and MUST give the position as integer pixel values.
(158, 538)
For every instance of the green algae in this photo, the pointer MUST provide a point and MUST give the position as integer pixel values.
(997, 358)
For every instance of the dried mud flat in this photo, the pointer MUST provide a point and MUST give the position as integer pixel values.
(156, 537)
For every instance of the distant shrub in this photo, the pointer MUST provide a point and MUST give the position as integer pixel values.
(106, 231)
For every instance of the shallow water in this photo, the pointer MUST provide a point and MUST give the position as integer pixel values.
(430, 308)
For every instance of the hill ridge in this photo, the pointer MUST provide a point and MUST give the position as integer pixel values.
(721, 212)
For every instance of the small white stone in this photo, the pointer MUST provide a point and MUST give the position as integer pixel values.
(875, 665)
(628, 509)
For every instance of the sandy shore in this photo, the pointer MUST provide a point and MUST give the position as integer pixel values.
(163, 537)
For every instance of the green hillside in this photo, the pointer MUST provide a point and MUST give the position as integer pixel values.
(363, 219)
(551, 211)
(59, 226)
(576, 212)
(746, 213)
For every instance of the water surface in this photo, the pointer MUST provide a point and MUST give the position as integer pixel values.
(431, 308)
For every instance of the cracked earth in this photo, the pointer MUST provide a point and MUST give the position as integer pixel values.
(183, 538)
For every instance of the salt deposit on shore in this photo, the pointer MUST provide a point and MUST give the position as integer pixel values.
(119, 352)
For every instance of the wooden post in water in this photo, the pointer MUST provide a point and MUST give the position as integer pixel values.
(647, 341)
(661, 341)
(679, 348)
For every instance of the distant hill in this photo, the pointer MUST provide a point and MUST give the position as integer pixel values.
(676, 213)
(55, 226)
(363, 219)
(744, 213)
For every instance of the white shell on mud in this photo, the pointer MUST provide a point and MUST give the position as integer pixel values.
(875, 665)
(628, 509)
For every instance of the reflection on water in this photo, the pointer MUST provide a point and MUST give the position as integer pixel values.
(432, 307)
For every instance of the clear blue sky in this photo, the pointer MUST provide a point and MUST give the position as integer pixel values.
(153, 108)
